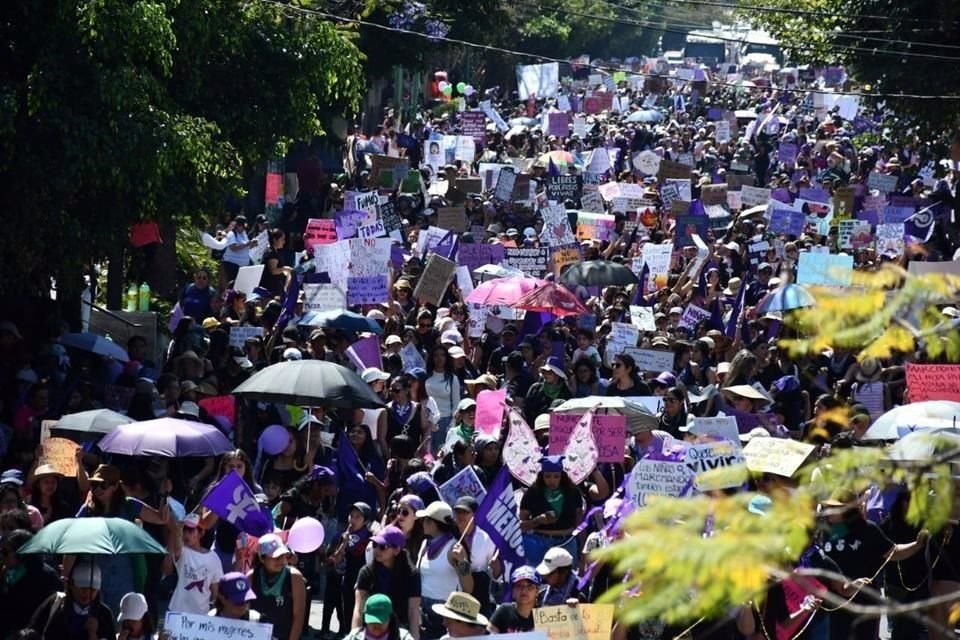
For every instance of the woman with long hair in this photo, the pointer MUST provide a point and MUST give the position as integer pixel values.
(549, 511)
(405, 518)
(11, 499)
(444, 387)
(276, 276)
(626, 380)
(405, 416)
(584, 381)
(743, 368)
(441, 571)
(364, 451)
(48, 496)
(391, 573)
(225, 534)
(674, 414)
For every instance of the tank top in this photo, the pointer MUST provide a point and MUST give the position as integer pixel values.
(277, 606)
(410, 427)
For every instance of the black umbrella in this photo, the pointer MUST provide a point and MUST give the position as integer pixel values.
(599, 273)
(310, 383)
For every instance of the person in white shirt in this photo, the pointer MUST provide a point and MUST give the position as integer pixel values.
(443, 387)
(440, 573)
(237, 253)
(476, 548)
(198, 569)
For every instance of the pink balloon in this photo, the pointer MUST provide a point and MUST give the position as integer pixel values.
(274, 439)
(306, 535)
(443, 84)
(469, 90)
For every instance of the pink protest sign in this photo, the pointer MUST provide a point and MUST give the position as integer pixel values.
(319, 231)
(608, 431)
(490, 410)
(221, 406)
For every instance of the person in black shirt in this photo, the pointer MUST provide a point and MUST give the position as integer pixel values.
(517, 616)
(626, 380)
(276, 275)
(393, 574)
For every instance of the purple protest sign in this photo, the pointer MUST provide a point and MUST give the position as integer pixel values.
(558, 124)
(232, 500)
(608, 431)
(397, 256)
(497, 515)
(896, 215)
(366, 353)
(347, 223)
(367, 289)
(782, 195)
(787, 153)
(474, 256)
(474, 124)
(814, 194)
(787, 221)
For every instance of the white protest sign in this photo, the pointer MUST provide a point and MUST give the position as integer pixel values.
(722, 129)
(708, 456)
(193, 626)
(369, 256)
(334, 260)
(652, 360)
(257, 251)
(647, 162)
(658, 478)
(722, 426)
(464, 483)
(323, 297)
(753, 196)
(624, 333)
(779, 456)
(642, 318)
(248, 278)
(464, 281)
(239, 335)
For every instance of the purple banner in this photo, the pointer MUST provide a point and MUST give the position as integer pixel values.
(787, 153)
(497, 516)
(347, 222)
(474, 256)
(232, 500)
(787, 221)
(366, 353)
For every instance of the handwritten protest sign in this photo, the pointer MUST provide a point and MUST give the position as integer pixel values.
(881, 182)
(556, 226)
(61, 454)
(825, 269)
(778, 456)
(464, 483)
(192, 626)
(367, 289)
(713, 194)
(319, 231)
(453, 218)
(224, 406)
(334, 260)
(723, 426)
(709, 456)
(933, 382)
(563, 188)
(583, 622)
(436, 275)
(490, 410)
(323, 297)
(347, 223)
(608, 432)
(693, 315)
(658, 478)
(392, 224)
(531, 260)
(672, 170)
(642, 318)
(239, 335)
(474, 256)
(652, 360)
(474, 124)
(753, 196)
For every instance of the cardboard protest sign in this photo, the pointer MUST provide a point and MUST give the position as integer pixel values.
(453, 218)
(433, 282)
(779, 456)
(563, 188)
(673, 170)
(933, 382)
(61, 454)
(474, 124)
(464, 483)
(657, 257)
(558, 124)
(659, 478)
(609, 433)
(224, 406)
(689, 226)
(239, 335)
(192, 626)
(708, 456)
(825, 269)
(531, 260)
(562, 256)
(583, 622)
(323, 297)
(711, 194)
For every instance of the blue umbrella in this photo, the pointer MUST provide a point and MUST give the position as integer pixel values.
(786, 298)
(340, 319)
(95, 343)
(645, 115)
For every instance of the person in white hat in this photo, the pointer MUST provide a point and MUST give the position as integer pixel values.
(556, 571)
(198, 569)
(57, 617)
(280, 589)
(440, 573)
(461, 615)
(133, 619)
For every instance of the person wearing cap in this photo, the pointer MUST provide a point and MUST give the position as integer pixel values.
(379, 621)
(461, 616)
(28, 582)
(134, 622)
(77, 614)
(280, 589)
(198, 569)
(517, 616)
(757, 289)
(345, 562)
(552, 386)
(392, 574)
(557, 573)
(234, 598)
(549, 510)
(478, 549)
(464, 424)
(441, 571)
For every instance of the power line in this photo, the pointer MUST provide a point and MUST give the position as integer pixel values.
(803, 12)
(544, 58)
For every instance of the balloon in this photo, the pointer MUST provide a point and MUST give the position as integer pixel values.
(448, 90)
(461, 87)
(306, 535)
(469, 90)
(274, 439)
(443, 84)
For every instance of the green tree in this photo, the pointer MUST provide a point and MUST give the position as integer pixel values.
(116, 111)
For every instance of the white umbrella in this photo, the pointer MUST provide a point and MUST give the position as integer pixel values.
(89, 425)
(922, 445)
(918, 416)
(637, 410)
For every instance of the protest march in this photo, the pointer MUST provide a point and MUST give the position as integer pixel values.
(448, 385)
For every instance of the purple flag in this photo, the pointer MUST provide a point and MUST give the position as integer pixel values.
(920, 225)
(351, 472)
(448, 246)
(552, 169)
(638, 298)
(498, 516)
(232, 500)
(289, 303)
(731, 329)
(366, 353)
(716, 315)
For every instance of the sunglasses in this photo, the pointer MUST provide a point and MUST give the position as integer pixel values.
(381, 547)
(406, 512)
(617, 365)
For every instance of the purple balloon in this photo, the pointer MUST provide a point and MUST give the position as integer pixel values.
(274, 439)
(306, 535)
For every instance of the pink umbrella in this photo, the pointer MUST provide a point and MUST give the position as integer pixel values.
(552, 298)
(503, 291)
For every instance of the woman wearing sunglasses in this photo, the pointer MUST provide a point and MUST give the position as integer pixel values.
(392, 574)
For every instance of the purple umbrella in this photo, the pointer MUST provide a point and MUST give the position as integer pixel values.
(166, 437)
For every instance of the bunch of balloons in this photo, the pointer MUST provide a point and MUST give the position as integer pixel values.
(462, 88)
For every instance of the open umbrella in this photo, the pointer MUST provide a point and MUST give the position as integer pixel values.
(99, 536)
(923, 445)
(498, 271)
(917, 416)
(503, 291)
(639, 415)
(310, 383)
(599, 273)
(94, 343)
(340, 319)
(552, 298)
(87, 426)
(786, 298)
(167, 438)
(645, 115)
(561, 159)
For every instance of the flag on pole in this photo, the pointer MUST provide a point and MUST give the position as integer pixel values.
(498, 516)
(233, 501)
